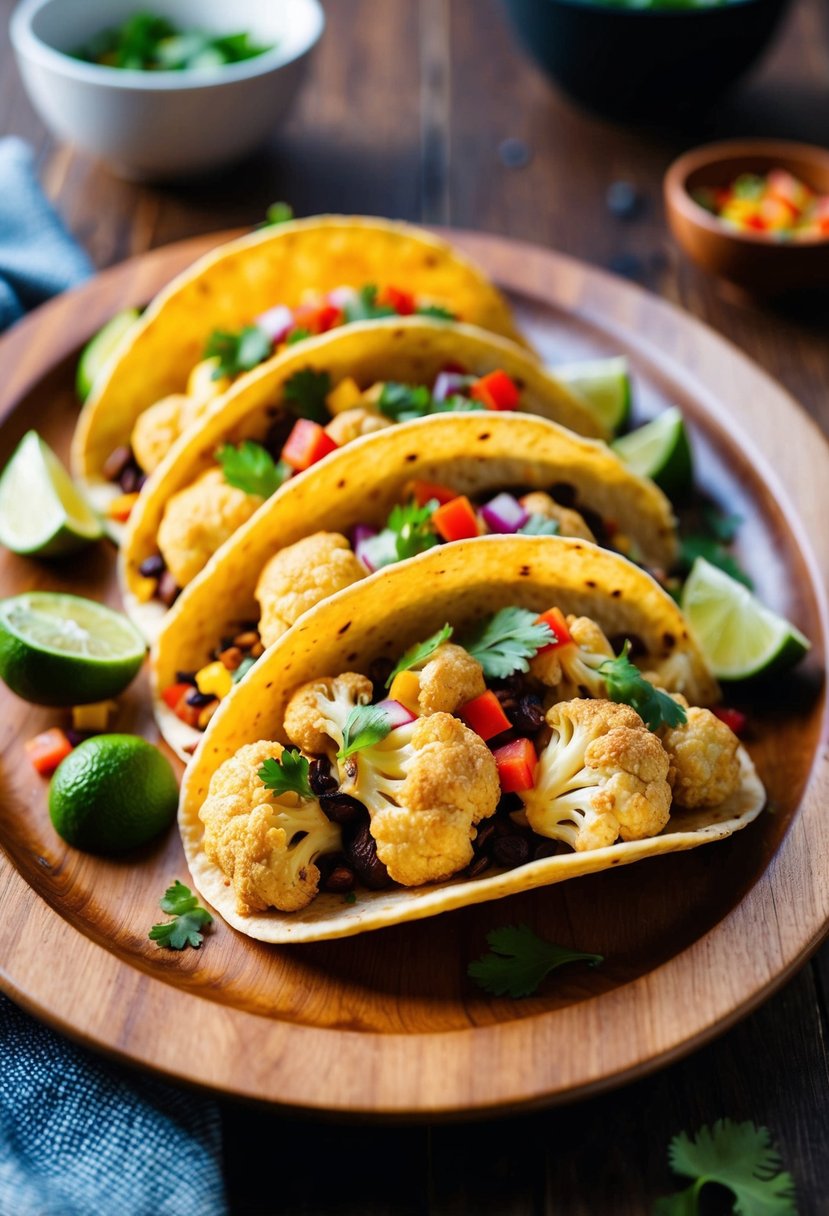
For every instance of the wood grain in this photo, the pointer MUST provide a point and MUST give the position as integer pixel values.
(398, 998)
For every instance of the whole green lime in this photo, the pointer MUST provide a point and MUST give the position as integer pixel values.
(112, 793)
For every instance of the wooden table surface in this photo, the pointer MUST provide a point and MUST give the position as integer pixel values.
(406, 113)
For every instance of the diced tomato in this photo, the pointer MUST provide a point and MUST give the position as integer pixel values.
(403, 302)
(47, 750)
(456, 520)
(485, 716)
(172, 695)
(496, 391)
(756, 223)
(425, 491)
(516, 763)
(734, 719)
(555, 619)
(189, 714)
(306, 444)
(121, 507)
(318, 320)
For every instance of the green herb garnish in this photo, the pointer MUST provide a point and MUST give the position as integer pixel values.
(364, 306)
(288, 774)
(251, 468)
(625, 683)
(520, 960)
(507, 641)
(237, 352)
(147, 43)
(739, 1156)
(435, 310)
(420, 652)
(190, 918)
(306, 391)
(412, 528)
(717, 530)
(278, 213)
(244, 667)
(539, 525)
(297, 335)
(364, 726)
(403, 402)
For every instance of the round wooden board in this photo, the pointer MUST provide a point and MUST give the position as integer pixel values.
(387, 1024)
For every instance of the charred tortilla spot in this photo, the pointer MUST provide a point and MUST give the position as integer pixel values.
(350, 658)
(591, 583)
(410, 457)
(668, 640)
(525, 572)
(616, 593)
(485, 435)
(341, 484)
(343, 629)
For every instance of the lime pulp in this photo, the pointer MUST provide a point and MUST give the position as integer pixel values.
(42, 512)
(604, 385)
(660, 450)
(97, 353)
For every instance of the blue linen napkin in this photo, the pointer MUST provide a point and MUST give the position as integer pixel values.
(80, 1136)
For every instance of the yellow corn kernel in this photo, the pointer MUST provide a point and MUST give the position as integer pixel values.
(214, 680)
(145, 589)
(344, 397)
(405, 688)
(201, 386)
(120, 507)
(372, 395)
(92, 717)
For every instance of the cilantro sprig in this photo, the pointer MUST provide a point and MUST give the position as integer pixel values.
(306, 391)
(251, 468)
(625, 683)
(364, 306)
(190, 919)
(436, 312)
(237, 352)
(539, 525)
(405, 402)
(412, 528)
(717, 530)
(420, 652)
(364, 726)
(739, 1156)
(288, 774)
(519, 960)
(507, 641)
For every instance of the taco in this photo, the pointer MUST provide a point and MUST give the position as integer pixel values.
(455, 729)
(293, 412)
(241, 304)
(437, 479)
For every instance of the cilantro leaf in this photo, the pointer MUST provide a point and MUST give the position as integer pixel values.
(237, 352)
(520, 960)
(697, 545)
(456, 404)
(720, 524)
(244, 667)
(288, 774)
(412, 528)
(739, 1156)
(190, 918)
(297, 335)
(364, 306)
(624, 682)
(306, 391)
(251, 468)
(420, 652)
(364, 726)
(278, 213)
(435, 310)
(538, 525)
(404, 401)
(507, 641)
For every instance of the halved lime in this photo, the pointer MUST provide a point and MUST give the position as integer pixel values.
(101, 348)
(63, 650)
(739, 636)
(42, 512)
(604, 385)
(660, 450)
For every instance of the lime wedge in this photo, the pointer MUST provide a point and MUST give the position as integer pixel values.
(41, 511)
(739, 636)
(63, 650)
(603, 385)
(101, 348)
(660, 450)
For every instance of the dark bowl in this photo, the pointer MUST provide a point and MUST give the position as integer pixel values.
(644, 63)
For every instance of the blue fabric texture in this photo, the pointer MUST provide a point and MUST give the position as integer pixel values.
(80, 1136)
(37, 256)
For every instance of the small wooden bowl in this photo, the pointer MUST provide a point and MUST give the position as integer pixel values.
(749, 260)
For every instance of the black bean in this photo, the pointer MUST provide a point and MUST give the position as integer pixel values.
(547, 848)
(340, 881)
(511, 851)
(528, 715)
(485, 832)
(563, 493)
(199, 699)
(128, 480)
(186, 677)
(478, 865)
(153, 567)
(341, 808)
(168, 589)
(319, 777)
(361, 853)
(116, 462)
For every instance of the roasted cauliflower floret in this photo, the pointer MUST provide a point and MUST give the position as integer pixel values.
(353, 423)
(300, 576)
(570, 523)
(198, 520)
(448, 679)
(308, 721)
(573, 670)
(703, 753)
(679, 673)
(157, 429)
(602, 775)
(265, 844)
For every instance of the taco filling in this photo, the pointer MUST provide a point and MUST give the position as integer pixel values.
(524, 738)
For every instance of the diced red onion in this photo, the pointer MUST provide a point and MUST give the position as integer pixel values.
(276, 322)
(361, 535)
(398, 714)
(341, 297)
(504, 514)
(448, 384)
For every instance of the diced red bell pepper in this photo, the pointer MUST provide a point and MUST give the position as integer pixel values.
(554, 618)
(403, 302)
(319, 319)
(188, 714)
(734, 719)
(46, 750)
(306, 444)
(172, 695)
(496, 391)
(425, 491)
(456, 520)
(516, 763)
(485, 716)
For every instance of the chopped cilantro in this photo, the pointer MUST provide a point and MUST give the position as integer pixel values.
(364, 726)
(538, 525)
(404, 401)
(244, 667)
(625, 683)
(251, 468)
(718, 530)
(190, 918)
(435, 310)
(306, 391)
(520, 960)
(288, 774)
(364, 306)
(237, 352)
(507, 641)
(297, 335)
(420, 652)
(412, 528)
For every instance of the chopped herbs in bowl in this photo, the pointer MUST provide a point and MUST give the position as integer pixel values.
(149, 43)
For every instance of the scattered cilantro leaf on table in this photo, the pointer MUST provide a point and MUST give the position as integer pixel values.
(519, 960)
(251, 468)
(237, 352)
(739, 1156)
(364, 726)
(507, 641)
(420, 651)
(190, 919)
(625, 683)
(288, 774)
(306, 391)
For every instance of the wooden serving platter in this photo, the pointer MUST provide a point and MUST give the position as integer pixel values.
(387, 1023)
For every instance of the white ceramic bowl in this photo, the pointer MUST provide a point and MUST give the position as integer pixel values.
(163, 124)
